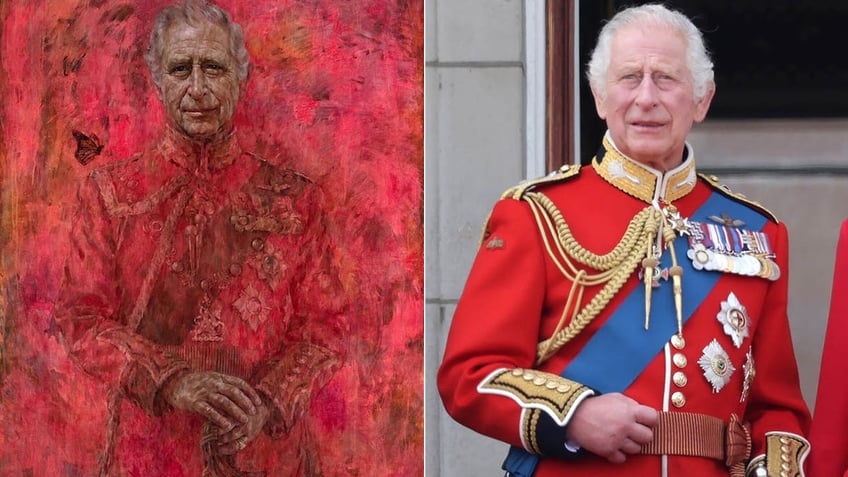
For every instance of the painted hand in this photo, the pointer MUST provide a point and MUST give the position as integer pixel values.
(226, 401)
(239, 437)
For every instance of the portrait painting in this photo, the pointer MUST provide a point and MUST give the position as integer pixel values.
(211, 238)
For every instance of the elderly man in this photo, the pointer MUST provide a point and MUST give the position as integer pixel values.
(199, 287)
(645, 334)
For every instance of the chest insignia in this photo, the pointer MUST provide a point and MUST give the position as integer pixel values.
(734, 319)
(208, 325)
(716, 365)
(750, 372)
(729, 249)
(252, 307)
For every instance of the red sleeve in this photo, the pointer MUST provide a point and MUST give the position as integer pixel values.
(776, 403)
(98, 339)
(828, 436)
(496, 323)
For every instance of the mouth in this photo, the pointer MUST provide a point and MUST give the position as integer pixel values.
(647, 125)
(198, 112)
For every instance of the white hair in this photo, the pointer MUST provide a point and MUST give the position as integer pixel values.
(195, 12)
(697, 58)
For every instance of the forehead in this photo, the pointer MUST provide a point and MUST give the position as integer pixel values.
(202, 40)
(648, 43)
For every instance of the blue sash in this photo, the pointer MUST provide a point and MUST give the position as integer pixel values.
(634, 346)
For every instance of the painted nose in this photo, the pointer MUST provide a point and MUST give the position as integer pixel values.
(197, 83)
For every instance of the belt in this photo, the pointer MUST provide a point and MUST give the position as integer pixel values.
(700, 435)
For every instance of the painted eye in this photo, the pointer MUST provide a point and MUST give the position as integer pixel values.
(180, 70)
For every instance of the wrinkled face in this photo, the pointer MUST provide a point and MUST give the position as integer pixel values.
(649, 106)
(199, 85)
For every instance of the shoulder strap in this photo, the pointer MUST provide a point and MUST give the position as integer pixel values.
(713, 182)
(560, 175)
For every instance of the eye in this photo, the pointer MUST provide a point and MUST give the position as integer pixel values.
(180, 70)
(631, 78)
(213, 69)
(664, 80)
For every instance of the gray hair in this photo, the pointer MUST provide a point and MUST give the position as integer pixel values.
(195, 12)
(697, 58)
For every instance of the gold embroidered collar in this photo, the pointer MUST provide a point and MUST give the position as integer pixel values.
(644, 182)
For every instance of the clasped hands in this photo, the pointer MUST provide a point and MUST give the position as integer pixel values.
(612, 426)
(228, 402)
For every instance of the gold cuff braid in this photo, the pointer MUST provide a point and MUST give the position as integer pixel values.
(534, 389)
(785, 454)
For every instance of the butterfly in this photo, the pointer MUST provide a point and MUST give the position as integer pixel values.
(88, 147)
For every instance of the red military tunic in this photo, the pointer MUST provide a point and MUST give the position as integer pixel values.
(491, 378)
(829, 457)
(204, 258)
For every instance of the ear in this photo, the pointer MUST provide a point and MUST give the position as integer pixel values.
(702, 106)
(600, 104)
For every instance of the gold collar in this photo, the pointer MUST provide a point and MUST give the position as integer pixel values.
(643, 182)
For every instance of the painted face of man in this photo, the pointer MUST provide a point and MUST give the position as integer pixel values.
(649, 105)
(199, 85)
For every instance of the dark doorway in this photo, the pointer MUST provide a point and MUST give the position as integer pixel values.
(775, 59)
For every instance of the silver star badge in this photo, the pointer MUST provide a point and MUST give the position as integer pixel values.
(734, 319)
(716, 365)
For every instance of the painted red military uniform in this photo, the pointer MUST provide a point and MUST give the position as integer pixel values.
(554, 312)
(829, 456)
(202, 258)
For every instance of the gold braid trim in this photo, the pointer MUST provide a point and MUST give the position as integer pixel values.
(533, 389)
(713, 182)
(615, 266)
(785, 454)
(565, 172)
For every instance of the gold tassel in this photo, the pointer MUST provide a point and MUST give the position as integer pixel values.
(676, 272)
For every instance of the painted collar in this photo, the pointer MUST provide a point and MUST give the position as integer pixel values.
(643, 182)
(199, 157)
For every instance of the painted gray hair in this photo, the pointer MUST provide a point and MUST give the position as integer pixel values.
(697, 58)
(194, 12)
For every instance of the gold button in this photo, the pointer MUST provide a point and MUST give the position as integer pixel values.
(679, 360)
(539, 381)
(678, 342)
(680, 379)
(678, 399)
(551, 385)
(517, 372)
(563, 388)
(528, 376)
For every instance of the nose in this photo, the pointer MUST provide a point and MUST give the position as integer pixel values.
(197, 82)
(646, 93)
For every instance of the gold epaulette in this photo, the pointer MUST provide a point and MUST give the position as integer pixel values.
(713, 182)
(563, 173)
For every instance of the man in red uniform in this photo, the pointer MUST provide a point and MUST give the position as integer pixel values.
(830, 452)
(199, 287)
(645, 334)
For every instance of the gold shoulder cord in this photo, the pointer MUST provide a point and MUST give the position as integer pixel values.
(615, 267)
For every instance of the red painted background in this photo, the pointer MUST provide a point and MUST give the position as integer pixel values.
(335, 90)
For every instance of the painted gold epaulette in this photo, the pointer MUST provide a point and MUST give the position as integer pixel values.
(713, 182)
(563, 173)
